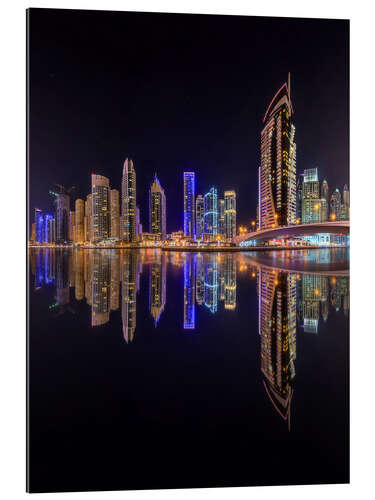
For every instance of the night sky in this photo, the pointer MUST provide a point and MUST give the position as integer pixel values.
(180, 92)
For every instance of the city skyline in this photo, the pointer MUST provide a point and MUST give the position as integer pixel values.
(207, 155)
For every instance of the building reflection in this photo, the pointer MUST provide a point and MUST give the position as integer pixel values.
(288, 301)
(158, 287)
(277, 330)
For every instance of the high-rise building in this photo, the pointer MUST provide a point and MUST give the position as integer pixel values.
(39, 225)
(79, 220)
(128, 203)
(335, 205)
(33, 232)
(158, 209)
(88, 218)
(230, 214)
(138, 221)
(324, 191)
(100, 207)
(345, 196)
(210, 215)
(310, 195)
(189, 204)
(277, 171)
(345, 206)
(199, 216)
(221, 218)
(71, 230)
(114, 199)
(299, 199)
(49, 229)
(62, 217)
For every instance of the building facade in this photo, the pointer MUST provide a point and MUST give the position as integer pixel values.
(114, 199)
(189, 205)
(157, 209)
(128, 203)
(199, 216)
(62, 217)
(230, 214)
(100, 208)
(79, 220)
(335, 205)
(210, 215)
(277, 171)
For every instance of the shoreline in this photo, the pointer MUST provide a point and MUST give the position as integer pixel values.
(194, 249)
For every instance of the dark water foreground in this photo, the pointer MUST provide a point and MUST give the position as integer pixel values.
(167, 370)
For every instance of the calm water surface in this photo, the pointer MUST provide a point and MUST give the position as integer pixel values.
(153, 369)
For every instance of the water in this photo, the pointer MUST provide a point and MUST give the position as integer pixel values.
(153, 369)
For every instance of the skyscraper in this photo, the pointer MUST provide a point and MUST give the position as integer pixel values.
(221, 218)
(79, 220)
(88, 216)
(62, 217)
(128, 203)
(311, 204)
(230, 214)
(277, 171)
(114, 199)
(199, 216)
(210, 215)
(71, 226)
(158, 210)
(189, 204)
(324, 191)
(299, 198)
(345, 196)
(335, 205)
(345, 206)
(100, 207)
(49, 229)
(39, 225)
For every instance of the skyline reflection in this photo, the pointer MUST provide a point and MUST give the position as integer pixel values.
(290, 302)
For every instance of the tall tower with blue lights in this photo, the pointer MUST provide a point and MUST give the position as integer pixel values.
(189, 204)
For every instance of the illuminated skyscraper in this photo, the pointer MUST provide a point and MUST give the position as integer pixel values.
(128, 203)
(158, 210)
(189, 292)
(325, 192)
(345, 196)
(158, 292)
(88, 218)
(114, 213)
(62, 217)
(189, 204)
(277, 172)
(79, 220)
(335, 205)
(199, 216)
(39, 225)
(221, 218)
(71, 227)
(299, 199)
(310, 196)
(345, 205)
(138, 221)
(49, 229)
(230, 214)
(210, 215)
(100, 207)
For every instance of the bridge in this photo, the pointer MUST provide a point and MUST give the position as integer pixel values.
(336, 227)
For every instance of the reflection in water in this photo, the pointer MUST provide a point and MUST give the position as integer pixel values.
(295, 290)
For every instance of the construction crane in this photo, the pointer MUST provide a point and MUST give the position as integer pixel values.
(62, 190)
